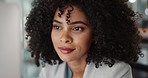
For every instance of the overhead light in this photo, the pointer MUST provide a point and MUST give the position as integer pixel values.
(132, 1)
(146, 11)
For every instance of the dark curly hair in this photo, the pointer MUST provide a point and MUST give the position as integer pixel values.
(116, 36)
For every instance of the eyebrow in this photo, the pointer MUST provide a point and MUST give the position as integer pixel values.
(75, 22)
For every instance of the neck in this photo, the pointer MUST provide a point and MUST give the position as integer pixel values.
(77, 68)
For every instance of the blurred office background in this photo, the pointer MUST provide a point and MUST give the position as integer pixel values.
(140, 70)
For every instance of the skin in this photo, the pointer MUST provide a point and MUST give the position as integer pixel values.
(76, 36)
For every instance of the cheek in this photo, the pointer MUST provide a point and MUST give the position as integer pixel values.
(86, 38)
(84, 42)
(53, 37)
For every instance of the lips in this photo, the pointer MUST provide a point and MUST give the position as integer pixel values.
(66, 50)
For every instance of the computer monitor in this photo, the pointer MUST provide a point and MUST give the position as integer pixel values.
(10, 41)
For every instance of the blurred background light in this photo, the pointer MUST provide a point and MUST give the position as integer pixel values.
(146, 11)
(132, 1)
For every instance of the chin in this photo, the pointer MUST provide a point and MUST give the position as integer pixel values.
(66, 59)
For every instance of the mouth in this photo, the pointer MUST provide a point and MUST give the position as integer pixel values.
(66, 50)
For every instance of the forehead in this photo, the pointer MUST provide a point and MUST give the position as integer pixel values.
(75, 14)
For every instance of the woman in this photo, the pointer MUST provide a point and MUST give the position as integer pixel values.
(83, 38)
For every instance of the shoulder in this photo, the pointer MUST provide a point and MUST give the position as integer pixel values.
(118, 70)
(50, 71)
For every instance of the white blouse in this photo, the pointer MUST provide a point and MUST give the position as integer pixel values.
(118, 70)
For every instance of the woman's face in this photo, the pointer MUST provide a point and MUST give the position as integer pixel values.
(71, 40)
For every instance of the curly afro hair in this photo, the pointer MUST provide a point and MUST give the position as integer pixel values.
(116, 36)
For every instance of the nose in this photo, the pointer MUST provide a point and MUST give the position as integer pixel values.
(65, 38)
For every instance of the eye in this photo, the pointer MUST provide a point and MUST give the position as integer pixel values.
(57, 27)
(78, 28)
